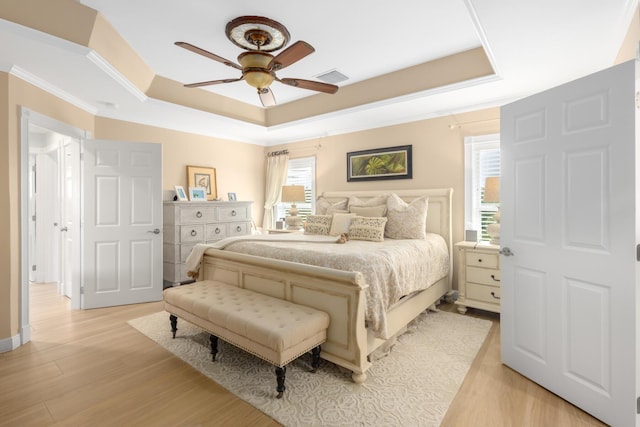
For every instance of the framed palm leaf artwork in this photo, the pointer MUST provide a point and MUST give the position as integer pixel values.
(380, 163)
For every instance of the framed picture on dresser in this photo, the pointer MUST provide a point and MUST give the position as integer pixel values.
(180, 193)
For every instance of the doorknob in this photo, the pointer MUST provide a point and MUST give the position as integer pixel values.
(506, 252)
(64, 229)
(155, 231)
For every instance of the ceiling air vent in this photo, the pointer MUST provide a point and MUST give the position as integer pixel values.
(332, 77)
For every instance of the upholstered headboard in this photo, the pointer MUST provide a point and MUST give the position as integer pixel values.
(438, 214)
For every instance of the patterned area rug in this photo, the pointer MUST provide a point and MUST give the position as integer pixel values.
(412, 386)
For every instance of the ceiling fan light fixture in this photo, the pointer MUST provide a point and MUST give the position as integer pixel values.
(255, 71)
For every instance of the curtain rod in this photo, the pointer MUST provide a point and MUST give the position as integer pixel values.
(281, 152)
(459, 125)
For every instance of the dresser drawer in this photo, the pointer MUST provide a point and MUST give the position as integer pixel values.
(217, 231)
(233, 213)
(197, 214)
(490, 294)
(192, 233)
(481, 259)
(239, 229)
(486, 276)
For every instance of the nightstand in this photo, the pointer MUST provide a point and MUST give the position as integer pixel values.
(478, 276)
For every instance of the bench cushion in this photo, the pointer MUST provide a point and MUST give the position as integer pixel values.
(273, 329)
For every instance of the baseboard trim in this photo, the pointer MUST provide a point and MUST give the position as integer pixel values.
(9, 344)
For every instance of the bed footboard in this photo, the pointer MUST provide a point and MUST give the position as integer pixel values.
(339, 293)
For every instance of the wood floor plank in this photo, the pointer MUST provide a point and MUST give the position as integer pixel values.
(90, 368)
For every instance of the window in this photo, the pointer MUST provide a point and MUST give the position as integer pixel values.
(302, 171)
(482, 159)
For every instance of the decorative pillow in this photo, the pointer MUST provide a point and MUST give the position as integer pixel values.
(367, 228)
(406, 221)
(333, 211)
(375, 201)
(380, 210)
(322, 205)
(318, 224)
(340, 223)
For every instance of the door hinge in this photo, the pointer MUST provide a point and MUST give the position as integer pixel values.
(33, 267)
(638, 253)
(81, 290)
(638, 405)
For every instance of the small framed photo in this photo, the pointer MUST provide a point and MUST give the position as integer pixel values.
(197, 194)
(232, 197)
(180, 193)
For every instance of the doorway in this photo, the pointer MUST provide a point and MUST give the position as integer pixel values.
(50, 173)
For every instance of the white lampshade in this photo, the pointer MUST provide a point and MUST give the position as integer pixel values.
(292, 193)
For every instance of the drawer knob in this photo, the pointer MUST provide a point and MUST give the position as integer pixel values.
(217, 230)
(194, 233)
(238, 228)
(199, 214)
(233, 212)
(493, 294)
(479, 259)
(493, 276)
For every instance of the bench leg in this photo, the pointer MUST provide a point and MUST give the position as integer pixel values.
(214, 346)
(280, 373)
(174, 324)
(315, 358)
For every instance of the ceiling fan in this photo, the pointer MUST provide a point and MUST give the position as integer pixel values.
(259, 36)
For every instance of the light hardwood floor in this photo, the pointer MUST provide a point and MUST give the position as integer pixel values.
(90, 368)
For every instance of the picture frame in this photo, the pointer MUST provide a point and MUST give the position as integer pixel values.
(197, 194)
(380, 163)
(203, 177)
(180, 193)
(232, 197)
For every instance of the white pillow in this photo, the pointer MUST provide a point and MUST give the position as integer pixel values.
(340, 223)
(406, 221)
(367, 228)
(380, 210)
(323, 205)
(375, 201)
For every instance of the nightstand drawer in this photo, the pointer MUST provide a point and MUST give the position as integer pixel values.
(485, 276)
(490, 294)
(481, 259)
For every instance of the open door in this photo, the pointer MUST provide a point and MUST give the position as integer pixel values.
(569, 230)
(122, 223)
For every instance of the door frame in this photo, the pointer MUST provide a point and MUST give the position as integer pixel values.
(29, 117)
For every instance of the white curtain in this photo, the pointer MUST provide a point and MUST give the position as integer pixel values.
(277, 168)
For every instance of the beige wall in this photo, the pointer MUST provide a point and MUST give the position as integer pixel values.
(240, 168)
(629, 47)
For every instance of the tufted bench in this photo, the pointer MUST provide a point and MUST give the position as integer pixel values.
(275, 330)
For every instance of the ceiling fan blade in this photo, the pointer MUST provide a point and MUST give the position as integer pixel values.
(213, 82)
(293, 53)
(266, 97)
(311, 85)
(199, 51)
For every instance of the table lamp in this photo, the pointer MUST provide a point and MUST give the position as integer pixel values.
(292, 194)
(492, 195)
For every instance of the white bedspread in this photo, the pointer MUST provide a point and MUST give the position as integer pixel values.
(392, 269)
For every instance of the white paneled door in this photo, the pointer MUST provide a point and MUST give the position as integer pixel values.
(122, 240)
(569, 231)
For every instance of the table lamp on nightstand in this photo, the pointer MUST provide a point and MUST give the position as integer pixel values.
(292, 194)
(492, 195)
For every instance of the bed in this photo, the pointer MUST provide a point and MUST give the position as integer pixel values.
(354, 332)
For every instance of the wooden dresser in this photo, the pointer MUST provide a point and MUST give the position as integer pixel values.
(188, 223)
(478, 276)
